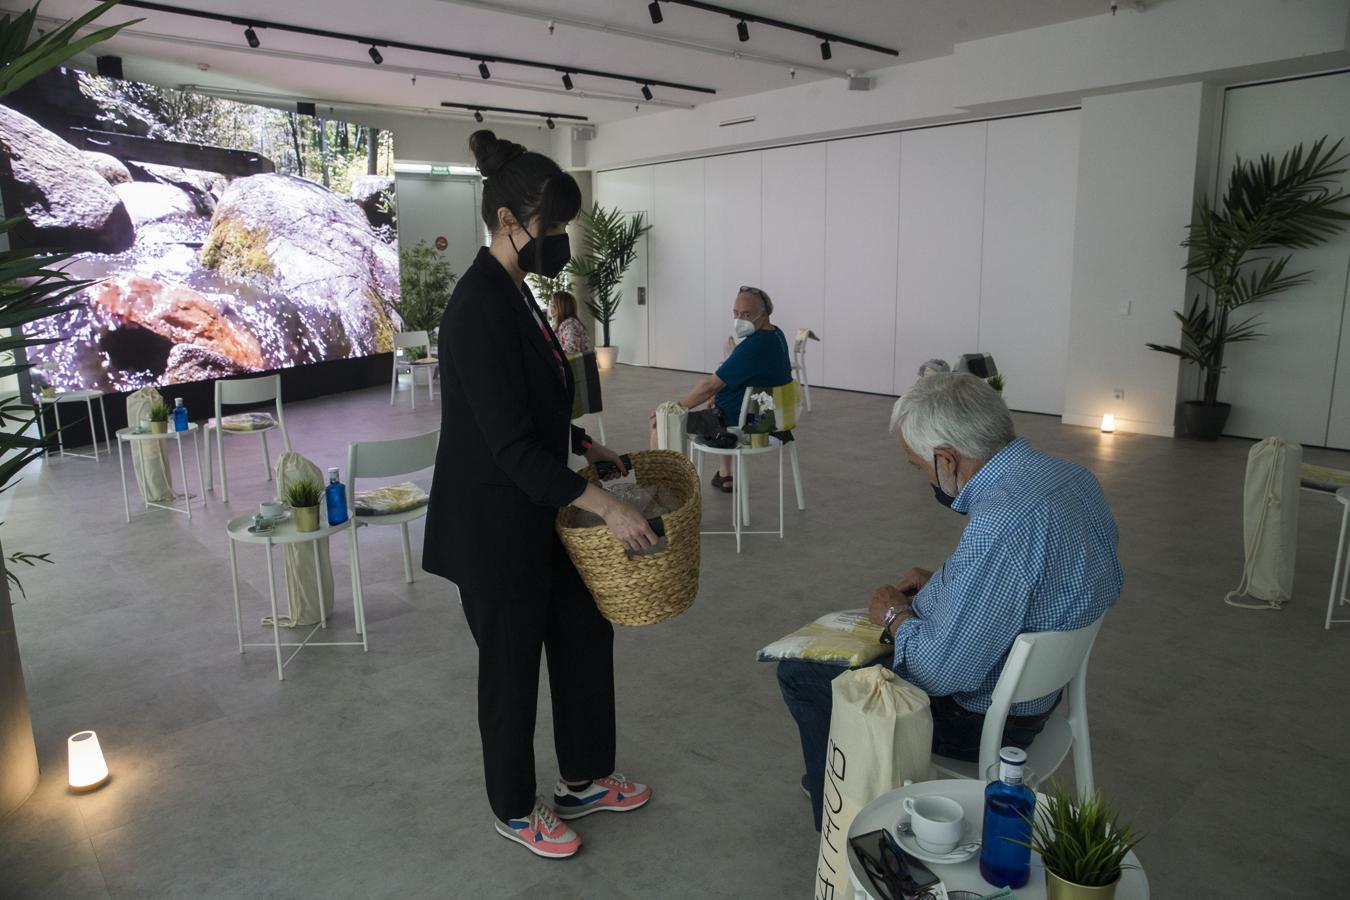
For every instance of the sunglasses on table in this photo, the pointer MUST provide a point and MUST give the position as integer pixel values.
(887, 869)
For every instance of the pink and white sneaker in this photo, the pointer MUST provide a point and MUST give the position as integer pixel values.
(541, 833)
(613, 793)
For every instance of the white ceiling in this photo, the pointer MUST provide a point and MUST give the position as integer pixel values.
(171, 49)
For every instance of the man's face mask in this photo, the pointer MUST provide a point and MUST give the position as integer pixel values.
(546, 256)
(744, 328)
(939, 494)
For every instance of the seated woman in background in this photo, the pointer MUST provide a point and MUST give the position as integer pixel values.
(562, 310)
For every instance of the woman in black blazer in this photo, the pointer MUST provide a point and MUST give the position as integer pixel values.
(501, 477)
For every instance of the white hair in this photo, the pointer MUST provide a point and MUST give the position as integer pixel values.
(956, 410)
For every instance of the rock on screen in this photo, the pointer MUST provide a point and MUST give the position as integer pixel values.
(221, 238)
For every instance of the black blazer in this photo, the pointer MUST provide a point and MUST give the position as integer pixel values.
(501, 468)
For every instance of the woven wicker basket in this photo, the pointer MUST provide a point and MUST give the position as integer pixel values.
(647, 588)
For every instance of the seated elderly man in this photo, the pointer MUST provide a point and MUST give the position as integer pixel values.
(760, 360)
(1038, 554)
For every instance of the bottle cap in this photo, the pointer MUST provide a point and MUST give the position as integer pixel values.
(1013, 756)
(333, 474)
(177, 401)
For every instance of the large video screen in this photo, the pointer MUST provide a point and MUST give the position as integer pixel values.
(222, 237)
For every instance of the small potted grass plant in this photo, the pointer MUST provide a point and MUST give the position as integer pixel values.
(303, 498)
(1083, 845)
(159, 417)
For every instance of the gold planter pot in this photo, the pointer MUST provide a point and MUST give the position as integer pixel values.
(306, 518)
(159, 427)
(759, 440)
(1057, 888)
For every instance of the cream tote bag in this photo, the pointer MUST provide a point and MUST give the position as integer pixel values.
(881, 735)
(302, 582)
(148, 458)
(1269, 525)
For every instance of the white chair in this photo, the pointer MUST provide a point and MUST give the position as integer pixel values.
(239, 392)
(1340, 576)
(384, 459)
(799, 363)
(409, 340)
(1038, 664)
(740, 487)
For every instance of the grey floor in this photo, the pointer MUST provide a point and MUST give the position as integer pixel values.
(1222, 732)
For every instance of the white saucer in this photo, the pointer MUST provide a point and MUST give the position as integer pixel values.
(969, 846)
(276, 520)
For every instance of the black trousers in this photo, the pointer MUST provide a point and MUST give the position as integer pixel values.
(510, 632)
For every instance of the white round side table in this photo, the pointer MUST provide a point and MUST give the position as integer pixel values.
(283, 533)
(885, 811)
(130, 435)
(87, 398)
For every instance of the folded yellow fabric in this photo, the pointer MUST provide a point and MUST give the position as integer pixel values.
(1324, 478)
(843, 638)
(247, 421)
(390, 499)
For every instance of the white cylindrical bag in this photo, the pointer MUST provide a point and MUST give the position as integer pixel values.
(1270, 499)
(148, 458)
(302, 584)
(670, 418)
(881, 735)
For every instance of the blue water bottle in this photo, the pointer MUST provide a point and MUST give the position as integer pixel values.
(180, 418)
(1005, 860)
(335, 497)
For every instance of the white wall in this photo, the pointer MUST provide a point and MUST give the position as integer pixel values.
(1139, 155)
(733, 211)
(1286, 383)
(630, 191)
(792, 254)
(676, 267)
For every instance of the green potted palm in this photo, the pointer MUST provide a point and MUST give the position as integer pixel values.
(1267, 207)
(302, 495)
(32, 288)
(1082, 844)
(609, 247)
(425, 284)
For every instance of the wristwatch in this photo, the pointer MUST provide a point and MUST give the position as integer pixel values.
(886, 636)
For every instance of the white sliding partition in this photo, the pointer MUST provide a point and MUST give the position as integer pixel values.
(941, 239)
(862, 180)
(1027, 263)
(675, 265)
(629, 190)
(1283, 383)
(732, 251)
(434, 206)
(793, 252)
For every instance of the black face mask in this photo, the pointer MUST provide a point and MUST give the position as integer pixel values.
(545, 256)
(939, 494)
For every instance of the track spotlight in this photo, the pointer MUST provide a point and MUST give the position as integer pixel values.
(654, 9)
(646, 92)
(483, 70)
(375, 56)
(742, 31)
(551, 126)
(825, 51)
(477, 116)
(252, 37)
(567, 81)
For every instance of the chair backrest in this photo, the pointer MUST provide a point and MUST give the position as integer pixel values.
(786, 404)
(412, 339)
(1039, 663)
(238, 391)
(401, 456)
(586, 397)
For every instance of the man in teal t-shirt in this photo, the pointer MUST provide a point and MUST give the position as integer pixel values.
(760, 359)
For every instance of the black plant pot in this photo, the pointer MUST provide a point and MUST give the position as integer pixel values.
(1205, 421)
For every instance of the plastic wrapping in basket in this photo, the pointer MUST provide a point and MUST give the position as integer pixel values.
(642, 589)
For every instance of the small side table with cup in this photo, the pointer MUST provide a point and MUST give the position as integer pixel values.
(131, 435)
(900, 812)
(274, 525)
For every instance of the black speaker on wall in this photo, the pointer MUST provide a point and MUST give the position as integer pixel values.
(305, 109)
(110, 66)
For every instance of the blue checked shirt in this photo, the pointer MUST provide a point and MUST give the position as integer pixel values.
(1039, 554)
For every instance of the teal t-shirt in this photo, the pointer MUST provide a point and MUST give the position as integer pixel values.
(761, 360)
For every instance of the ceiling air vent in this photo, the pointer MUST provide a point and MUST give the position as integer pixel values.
(739, 120)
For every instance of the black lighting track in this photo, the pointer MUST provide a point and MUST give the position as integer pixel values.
(478, 107)
(367, 41)
(778, 23)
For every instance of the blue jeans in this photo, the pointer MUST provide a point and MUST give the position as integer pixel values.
(956, 730)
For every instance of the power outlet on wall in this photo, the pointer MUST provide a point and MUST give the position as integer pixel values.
(1120, 393)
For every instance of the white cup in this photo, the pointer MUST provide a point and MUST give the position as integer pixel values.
(272, 509)
(938, 822)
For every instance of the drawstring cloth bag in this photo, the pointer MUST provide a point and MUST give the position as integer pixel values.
(302, 584)
(670, 418)
(148, 458)
(881, 735)
(1269, 525)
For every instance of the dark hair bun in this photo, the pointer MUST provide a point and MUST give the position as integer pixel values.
(492, 154)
